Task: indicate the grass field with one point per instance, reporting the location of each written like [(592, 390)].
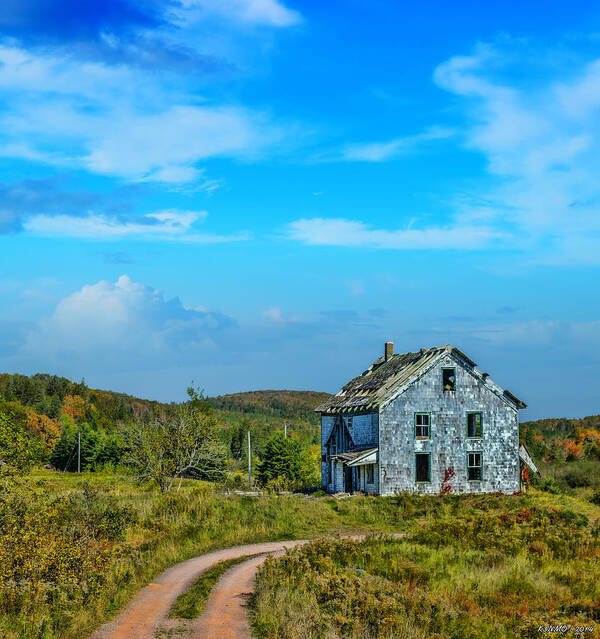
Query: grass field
[(469, 567), (74, 549)]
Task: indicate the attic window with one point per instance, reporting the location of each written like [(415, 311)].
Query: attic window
[(474, 467), (449, 379), (474, 425), (422, 421), (422, 467)]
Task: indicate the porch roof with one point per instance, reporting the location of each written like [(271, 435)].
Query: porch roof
[(358, 458)]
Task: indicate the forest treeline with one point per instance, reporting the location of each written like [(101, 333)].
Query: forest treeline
[(562, 439), (49, 414)]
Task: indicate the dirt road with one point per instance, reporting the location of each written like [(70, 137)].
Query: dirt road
[(225, 616), (226, 612)]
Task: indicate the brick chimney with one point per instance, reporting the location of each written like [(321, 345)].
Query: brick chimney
[(389, 350)]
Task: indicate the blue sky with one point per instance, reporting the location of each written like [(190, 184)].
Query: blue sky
[(257, 194)]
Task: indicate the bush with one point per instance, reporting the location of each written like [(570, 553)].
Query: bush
[(549, 485), (595, 497), (577, 478), (52, 544)]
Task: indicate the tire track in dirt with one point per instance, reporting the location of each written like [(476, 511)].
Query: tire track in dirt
[(226, 613), (146, 613)]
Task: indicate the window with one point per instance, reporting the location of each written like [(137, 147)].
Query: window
[(449, 379), (370, 473), (474, 425), (474, 467), (422, 467), (422, 425), (349, 422)]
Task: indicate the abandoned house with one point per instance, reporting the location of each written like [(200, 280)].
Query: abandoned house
[(421, 422)]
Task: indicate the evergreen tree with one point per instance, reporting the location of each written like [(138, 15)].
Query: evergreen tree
[(282, 458)]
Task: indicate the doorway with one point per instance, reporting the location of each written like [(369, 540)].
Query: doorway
[(347, 479)]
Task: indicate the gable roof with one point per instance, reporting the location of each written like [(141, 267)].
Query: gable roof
[(384, 380)]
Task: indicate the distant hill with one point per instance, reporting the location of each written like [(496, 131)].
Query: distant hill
[(46, 395), (559, 439), (264, 412), (285, 404), (562, 425), (57, 409)]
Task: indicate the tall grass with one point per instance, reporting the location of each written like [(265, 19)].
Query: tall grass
[(47, 519), (128, 534), (469, 567)]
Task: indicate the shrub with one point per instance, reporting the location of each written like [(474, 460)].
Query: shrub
[(595, 497), (549, 485), (577, 478)]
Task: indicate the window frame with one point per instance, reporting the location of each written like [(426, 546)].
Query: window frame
[(475, 412), (475, 452), (422, 437), (428, 480), (370, 472), (449, 368)]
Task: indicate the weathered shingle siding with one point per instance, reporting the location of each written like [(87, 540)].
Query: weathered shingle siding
[(327, 422), (364, 429), (448, 443)]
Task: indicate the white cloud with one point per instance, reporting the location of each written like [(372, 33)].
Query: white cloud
[(121, 326), (265, 12), (341, 232), (114, 121), (381, 151), (164, 225), (275, 315), (541, 141), (158, 144)]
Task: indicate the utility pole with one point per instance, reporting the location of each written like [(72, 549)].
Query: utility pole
[(249, 464), (79, 452), (285, 430)]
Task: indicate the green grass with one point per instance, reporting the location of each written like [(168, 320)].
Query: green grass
[(469, 567), (167, 529), (190, 604)]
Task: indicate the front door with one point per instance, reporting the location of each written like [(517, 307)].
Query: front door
[(347, 479)]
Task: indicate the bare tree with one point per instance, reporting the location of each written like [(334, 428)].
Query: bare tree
[(166, 447)]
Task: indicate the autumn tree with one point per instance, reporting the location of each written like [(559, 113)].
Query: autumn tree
[(74, 406), (47, 428), (20, 447)]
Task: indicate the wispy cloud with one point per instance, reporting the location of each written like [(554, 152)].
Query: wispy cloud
[(260, 12), (151, 34), (382, 151), (166, 225), (541, 142), (114, 120), (342, 232)]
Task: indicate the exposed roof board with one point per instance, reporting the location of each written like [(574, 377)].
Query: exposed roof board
[(358, 458), (385, 379), (526, 458)]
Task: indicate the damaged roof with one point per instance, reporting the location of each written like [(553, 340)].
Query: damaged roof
[(384, 379)]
